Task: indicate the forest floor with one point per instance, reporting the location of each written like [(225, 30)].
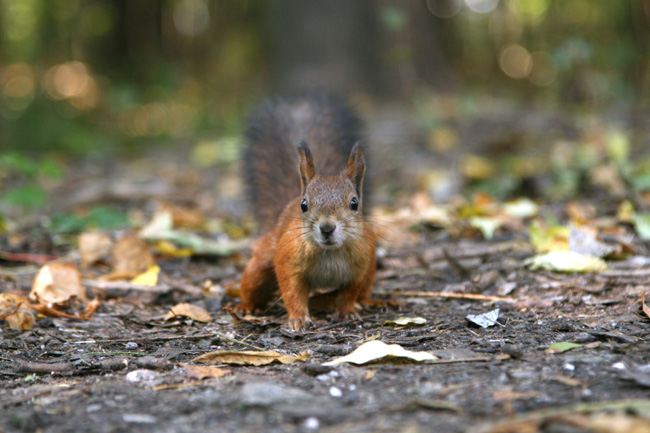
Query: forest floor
[(129, 368)]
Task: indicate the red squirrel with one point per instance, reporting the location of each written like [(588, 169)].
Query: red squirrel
[(318, 249)]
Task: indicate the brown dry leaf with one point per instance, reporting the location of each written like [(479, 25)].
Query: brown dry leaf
[(15, 310), (644, 307), (189, 310), (516, 427), (618, 422), (52, 311), (183, 216), (509, 395), (57, 284), (369, 374), (249, 357), (204, 371), (94, 247), (131, 256), (90, 309)]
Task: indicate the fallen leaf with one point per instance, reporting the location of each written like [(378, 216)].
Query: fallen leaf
[(486, 225), (510, 395), (249, 357), (548, 239), (584, 240), (618, 422), (369, 374), (644, 307), (166, 248), (148, 277), (625, 212), (562, 346), (15, 310), (52, 311), (189, 310), (376, 350), (183, 216), (566, 261), (484, 320), (132, 255), (404, 321), (94, 247), (204, 371), (642, 225), (57, 284), (522, 207)]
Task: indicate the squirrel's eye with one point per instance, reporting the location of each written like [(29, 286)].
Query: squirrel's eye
[(354, 203), (303, 205)]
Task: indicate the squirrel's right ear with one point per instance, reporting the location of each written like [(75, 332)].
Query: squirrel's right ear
[(306, 165)]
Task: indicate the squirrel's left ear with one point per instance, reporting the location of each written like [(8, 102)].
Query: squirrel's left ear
[(356, 167), (305, 166)]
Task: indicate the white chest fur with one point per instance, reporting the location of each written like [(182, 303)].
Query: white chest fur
[(331, 271)]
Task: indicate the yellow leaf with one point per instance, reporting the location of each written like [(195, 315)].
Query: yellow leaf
[(166, 248), (148, 277), (249, 357), (566, 261), (548, 239), (189, 310), (404, 321), (376, 350)]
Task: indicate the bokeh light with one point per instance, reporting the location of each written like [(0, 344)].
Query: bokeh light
[(191, 17), (17, 81), (482, 6), (515, 61), (72, 81), (444, 8)]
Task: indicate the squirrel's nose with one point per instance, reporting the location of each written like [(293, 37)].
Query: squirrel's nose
[(326, 229)]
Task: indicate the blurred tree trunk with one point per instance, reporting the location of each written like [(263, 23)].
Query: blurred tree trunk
[(387, 47), (322, 45)]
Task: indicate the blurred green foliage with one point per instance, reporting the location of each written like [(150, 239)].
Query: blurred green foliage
[(21, 179), (97, 218)]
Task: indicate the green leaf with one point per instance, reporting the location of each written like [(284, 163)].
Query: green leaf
[(562, 346), (104, 218), (18, 162), (642, 225), (50, 169), (566, 261), (28, 196)]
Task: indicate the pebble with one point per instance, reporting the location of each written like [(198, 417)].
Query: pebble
[(336, 392)]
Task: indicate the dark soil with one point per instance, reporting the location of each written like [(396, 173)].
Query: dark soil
[(122, 370)]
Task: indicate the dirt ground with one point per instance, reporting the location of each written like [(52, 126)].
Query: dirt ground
[(128, 369), (123, 370)]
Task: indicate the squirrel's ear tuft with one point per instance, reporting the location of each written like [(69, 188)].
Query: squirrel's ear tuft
[(305, 166), (356, 167)]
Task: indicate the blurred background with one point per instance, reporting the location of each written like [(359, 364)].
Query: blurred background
[(501, 91)]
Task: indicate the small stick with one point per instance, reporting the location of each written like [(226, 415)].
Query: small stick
[(456, 295)]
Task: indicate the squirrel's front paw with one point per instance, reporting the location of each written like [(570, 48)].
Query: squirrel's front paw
[(381, 304), (344, 317), (300, 323), (243, 308)]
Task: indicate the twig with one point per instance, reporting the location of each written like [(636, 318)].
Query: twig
[(456, 295), (232, 340), (462, 270), (579, 408)]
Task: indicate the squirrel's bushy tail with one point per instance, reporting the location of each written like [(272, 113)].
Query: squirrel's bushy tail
[(326, 123)]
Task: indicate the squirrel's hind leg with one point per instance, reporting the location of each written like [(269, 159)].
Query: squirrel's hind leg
[(258, 283)]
